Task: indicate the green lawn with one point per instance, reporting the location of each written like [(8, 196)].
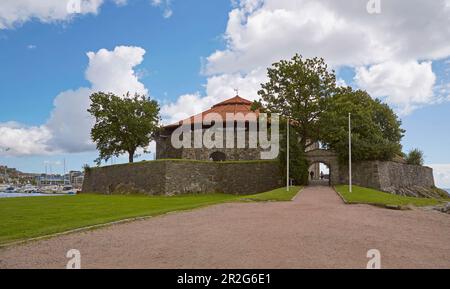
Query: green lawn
[(28, 217), (276, 195), (362, 195)]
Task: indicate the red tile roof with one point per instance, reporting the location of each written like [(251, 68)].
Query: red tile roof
[(233, 105)]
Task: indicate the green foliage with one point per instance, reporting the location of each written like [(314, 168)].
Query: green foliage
[(299, 89), (306, 92), (415, 157), (87, 169), (298, 166), (361, 195), (376, 131), (122, 125)]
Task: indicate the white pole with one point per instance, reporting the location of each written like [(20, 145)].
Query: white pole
[(287, 155), (349, 153)]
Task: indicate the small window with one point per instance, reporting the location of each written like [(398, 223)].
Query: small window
[(218, 157)]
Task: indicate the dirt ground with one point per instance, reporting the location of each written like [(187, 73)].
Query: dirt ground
[(316, 230)]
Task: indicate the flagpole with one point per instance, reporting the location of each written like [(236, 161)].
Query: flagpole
[(349, 153), (287, 155)]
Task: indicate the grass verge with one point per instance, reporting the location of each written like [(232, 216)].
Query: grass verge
[(31, 217), (275, 195), (360, 195)]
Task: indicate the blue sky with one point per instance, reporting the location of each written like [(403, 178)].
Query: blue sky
[(198, 53), (171, 67)]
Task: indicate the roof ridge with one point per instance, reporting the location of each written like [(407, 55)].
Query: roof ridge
[(234, 100), (232, 105)]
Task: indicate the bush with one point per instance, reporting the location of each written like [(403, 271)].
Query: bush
[(415, 157), (87, 169)]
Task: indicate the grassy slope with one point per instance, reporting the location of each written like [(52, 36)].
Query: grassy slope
[(28, 217), (371, 196), (276, 195)]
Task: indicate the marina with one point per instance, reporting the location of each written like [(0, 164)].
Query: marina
[(10, 191), (15, 195)]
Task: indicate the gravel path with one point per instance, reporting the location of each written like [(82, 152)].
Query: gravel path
[(316, 230)]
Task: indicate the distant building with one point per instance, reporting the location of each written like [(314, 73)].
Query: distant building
[(76, 178), (78, 181), (50, 180), (14, 176), (73, 175)]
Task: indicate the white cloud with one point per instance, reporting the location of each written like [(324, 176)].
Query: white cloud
[(16, 12), (70, 123), (165, 5), (218, 88), (19, 140), (341, 82), (13, 13), (121, 2), (185, 106), (441, 175), (404, 85), (68, 128), (408, 34), (112, 71), (261, 32)]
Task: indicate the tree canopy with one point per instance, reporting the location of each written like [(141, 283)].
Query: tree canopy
[(376, 131), (305, 90), (298, 166), (299, 89), (122, 124)]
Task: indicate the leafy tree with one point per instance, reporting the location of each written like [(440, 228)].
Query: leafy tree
[(122, 125), (376, 131), (305, 91), (299, 89), (298, 166), (415, 157)]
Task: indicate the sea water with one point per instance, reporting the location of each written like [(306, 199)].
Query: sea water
[(15, 195)]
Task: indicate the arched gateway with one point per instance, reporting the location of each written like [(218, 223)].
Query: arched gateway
[(327, 157)]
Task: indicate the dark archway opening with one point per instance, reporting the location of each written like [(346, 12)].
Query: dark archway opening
[(319, 174), (218, 157)]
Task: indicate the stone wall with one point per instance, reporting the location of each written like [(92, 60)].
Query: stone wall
[(249, 177), (393, 177), (138, 178), (327, 157), (171, 177), (165, 150)]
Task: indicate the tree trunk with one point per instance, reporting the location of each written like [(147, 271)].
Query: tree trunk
[(131, 156)]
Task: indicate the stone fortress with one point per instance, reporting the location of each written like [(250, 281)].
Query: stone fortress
[(237, 106), (234, 106), (239, 169)]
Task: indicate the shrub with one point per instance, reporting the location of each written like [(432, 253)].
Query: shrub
[(87, 169), (415, 157)]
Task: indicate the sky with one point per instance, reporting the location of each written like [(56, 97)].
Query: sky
[(191, 54)]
